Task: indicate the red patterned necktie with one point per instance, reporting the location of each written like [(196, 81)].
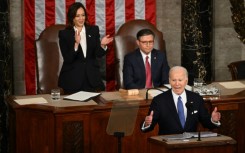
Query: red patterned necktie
[(148, 83)]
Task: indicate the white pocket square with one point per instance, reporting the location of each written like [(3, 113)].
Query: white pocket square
[(194, 112)]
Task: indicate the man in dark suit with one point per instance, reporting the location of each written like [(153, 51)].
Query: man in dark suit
[(179, 110), (134, 68), (80, 46)]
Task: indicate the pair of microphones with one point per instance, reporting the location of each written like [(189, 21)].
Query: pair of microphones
[(146, 94)]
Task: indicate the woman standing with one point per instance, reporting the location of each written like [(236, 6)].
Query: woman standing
[(80, 46)]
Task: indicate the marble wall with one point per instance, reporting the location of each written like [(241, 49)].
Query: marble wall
[(227, 47), (5, 72), (169, 22), (16, 26)]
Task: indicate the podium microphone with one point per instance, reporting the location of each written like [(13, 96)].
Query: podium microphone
[(146, 94), (199, 136)]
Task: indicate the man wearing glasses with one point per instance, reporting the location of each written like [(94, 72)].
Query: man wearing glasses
[(145, 67)]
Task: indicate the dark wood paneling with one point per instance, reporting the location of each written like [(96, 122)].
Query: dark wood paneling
[(221, 144), (34, 131), (49, 129)]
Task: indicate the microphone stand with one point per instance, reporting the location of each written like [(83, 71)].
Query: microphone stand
[(199, 136), (119, 136)]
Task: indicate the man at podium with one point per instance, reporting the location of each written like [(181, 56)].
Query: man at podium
[(178, 110)]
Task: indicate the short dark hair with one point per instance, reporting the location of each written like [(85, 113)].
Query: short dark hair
[(72, 11), (145, 32)]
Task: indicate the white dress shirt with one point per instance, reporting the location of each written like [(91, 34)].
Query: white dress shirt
[(83, 40), (184, 100), (144, 56)]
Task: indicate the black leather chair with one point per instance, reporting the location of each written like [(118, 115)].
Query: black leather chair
[(125, 42), (48, 59), (237, 70)]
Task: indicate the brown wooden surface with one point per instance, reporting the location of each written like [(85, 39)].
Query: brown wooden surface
[(77, 129), (66, 127), (220, 144)]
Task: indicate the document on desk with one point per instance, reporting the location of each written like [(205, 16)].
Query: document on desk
[(81, 96), (188, 135), (111, 96), (27, 101), (232, 84)]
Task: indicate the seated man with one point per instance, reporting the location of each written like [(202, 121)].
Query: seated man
[(178, 110), (146, 67)]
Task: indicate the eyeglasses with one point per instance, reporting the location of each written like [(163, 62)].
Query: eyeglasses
[(147, 42)]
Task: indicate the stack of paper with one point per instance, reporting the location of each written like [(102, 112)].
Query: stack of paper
[(82, 96), (188, 135), (232, 84), (27, 101)]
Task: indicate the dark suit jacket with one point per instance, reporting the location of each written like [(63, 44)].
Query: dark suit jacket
[(79, 73), (166, 116), (134, 69)]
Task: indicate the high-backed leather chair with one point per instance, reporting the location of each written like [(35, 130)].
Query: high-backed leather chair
[(48, 59), (125, 42), (237, 70)]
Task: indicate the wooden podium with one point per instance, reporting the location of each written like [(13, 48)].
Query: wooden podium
[(219, 144)]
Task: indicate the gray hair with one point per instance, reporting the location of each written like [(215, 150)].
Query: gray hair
[(178, 68)]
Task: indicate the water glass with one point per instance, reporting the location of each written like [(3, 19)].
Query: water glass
[(55, 94), (198, 82)]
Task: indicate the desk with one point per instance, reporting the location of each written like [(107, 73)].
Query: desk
[(232, 108), (67, 127), (220, 144)]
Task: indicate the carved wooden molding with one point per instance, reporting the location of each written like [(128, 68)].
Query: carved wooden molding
[(73, 137), (238, 18)]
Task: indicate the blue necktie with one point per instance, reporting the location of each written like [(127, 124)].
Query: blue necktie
[(181, 112)]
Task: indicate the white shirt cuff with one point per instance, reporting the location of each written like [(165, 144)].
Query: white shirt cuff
[(105, 48), (216, 123), (143, 126)]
